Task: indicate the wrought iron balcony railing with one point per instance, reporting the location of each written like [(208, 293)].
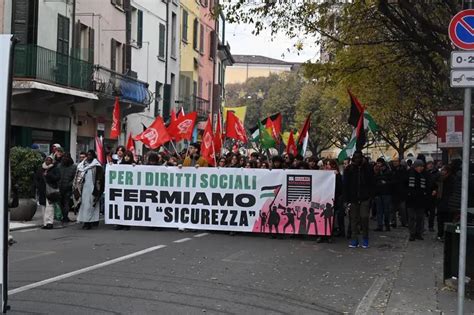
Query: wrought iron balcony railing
[(45, 65), (197, 104), (110, 83)]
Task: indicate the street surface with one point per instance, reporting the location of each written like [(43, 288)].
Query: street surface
[(199, 272)]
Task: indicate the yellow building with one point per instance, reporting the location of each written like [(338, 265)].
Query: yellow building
[(252, 66), (189, 53)]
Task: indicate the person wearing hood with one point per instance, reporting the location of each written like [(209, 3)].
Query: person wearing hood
[(418, 193), (88, 187), (47, 190)]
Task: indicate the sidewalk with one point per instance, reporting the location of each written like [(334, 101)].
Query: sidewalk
[(418, 287), (36, 221)]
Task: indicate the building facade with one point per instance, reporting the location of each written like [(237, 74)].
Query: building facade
[(252, 66), (74, 58)]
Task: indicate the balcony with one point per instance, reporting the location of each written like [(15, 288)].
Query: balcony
[(197, 104), (109, 84), (48, 66)]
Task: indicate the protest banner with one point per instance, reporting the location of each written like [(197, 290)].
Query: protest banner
[(223, 199)]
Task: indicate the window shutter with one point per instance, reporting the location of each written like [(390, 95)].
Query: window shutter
[(113, 55), (201, 39), (212, 44), (140, 28), (161, 48), (195, 34), (185, 25), (91, 45)]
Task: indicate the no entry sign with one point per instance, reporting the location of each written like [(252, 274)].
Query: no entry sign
[(461, 30)]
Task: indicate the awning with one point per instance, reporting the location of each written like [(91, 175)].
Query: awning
[(23, 85)]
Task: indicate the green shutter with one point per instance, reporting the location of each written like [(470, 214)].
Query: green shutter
[(161, 48), (185, 25), (139, 28)]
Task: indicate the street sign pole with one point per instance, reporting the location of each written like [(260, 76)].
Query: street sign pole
[(460, 33), (464, 196)]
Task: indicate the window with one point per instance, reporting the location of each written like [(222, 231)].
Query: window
[(172, 87), (173, 35), (137, 27), (162, 40), (201, 39), (116, 56), (184, 34), (158, 94), (212, 44), (195, 34), (200, 87), (86, 42)]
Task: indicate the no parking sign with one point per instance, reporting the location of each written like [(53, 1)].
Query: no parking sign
[(461, 30)]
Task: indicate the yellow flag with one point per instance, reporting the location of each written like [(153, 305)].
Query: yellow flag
[(238, 111)]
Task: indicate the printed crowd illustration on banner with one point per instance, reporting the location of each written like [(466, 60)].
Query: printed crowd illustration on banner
[(224, 199)]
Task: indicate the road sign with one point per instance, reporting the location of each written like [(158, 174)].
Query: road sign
[(462, 59), (463, 78), (450, 125), (461, 29)]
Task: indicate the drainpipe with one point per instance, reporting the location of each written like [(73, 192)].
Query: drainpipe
[(73, 34), (167, 41)]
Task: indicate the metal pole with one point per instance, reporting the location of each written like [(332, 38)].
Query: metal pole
[(464, 196)]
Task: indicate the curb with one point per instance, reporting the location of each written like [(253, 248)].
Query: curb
[(29, 226)]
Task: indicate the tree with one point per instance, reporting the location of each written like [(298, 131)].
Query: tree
[(251, 94), (311, 100), (282, 97)]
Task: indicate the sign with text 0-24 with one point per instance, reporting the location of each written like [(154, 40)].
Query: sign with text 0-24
[(224, 199)]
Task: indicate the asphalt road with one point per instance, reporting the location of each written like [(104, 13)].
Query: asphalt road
[(175, 272)]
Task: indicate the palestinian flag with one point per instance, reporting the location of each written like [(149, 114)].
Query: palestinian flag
[(276, 120), (355, 143), (356, 110), (302, 142)]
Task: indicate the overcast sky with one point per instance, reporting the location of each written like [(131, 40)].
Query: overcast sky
[(242, 42)]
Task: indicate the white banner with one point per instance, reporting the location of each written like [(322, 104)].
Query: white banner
[(225, 199)]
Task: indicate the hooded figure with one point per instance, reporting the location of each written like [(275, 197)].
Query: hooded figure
[(88, 187)]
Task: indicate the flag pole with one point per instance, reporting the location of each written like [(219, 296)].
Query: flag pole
[(174, 147)]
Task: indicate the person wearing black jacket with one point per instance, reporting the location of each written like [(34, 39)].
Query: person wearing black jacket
[(67, 170), (418, 193), (446, 184), (434, 175), (358, 187), (46, 182), (383, 180), (399, 178)]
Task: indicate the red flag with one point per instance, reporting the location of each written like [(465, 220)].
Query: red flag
[(207, 145), (303, 137), (291, 146), (218, 135), (131, 144), (115, 130), (99, 149), (183, 127), (234, 128), (155, 135)]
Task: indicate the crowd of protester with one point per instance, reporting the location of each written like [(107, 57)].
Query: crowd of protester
[(399, 193)]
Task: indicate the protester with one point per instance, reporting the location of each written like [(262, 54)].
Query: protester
[(399, 178), (339, 212), (120, 153), (194, 159), (47, 190), (88, 188), (54, 148), (234, 161), (446, 183), (418, 194), (383, 196), (67, 170), (358, 189), (82, 156), (430, 209)]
